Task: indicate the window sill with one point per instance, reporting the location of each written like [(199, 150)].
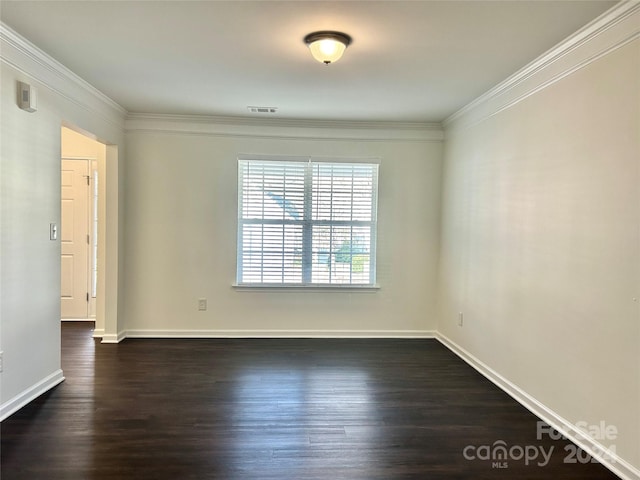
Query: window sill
[(323, 287)]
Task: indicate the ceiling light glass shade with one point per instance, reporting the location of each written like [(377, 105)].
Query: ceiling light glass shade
[(327, 47)]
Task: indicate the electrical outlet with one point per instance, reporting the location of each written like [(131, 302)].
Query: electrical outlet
[(202, 304), (460, 319)]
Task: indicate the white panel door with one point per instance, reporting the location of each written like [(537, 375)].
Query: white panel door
[(74, 235)]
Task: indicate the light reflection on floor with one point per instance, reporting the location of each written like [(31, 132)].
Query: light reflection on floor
[(298, 416)]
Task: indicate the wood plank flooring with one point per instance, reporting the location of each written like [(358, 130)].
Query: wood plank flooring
[(271, 409)]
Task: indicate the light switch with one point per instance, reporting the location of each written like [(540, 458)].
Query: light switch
[(53, 231)]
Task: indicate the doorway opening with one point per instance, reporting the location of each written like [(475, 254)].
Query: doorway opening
[(81, 230)]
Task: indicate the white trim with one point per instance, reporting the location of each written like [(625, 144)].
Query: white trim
[(30, 394), (89, 159), (613, 29), (304, 159), (280, 334), (272, 158), (282, 128), (17, 52), (616, 464), (98, 332), (306, 287), (113, 338)]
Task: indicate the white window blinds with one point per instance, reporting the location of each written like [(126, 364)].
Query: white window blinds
[(306, 222)]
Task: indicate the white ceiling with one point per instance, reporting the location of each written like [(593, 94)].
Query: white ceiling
[(414, 61)]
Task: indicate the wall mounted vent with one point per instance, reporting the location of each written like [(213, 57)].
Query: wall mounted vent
[(262, 109)]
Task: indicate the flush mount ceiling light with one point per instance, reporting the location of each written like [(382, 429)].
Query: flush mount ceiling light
[(327, 46)]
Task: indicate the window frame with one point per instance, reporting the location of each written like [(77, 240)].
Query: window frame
[(308, 224)]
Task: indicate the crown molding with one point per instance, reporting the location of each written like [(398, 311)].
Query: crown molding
[(613, 29), (17, 52), (283, 128)]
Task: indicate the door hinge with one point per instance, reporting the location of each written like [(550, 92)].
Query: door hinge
[(88, 240), (88, 177), (87, 296)]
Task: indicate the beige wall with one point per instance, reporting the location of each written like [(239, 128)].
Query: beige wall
[(541, 243), (77, 145), (181, 240)]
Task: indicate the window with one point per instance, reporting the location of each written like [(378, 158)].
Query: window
[(306, 222)]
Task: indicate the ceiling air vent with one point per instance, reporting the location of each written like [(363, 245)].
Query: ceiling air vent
[(262, 109)]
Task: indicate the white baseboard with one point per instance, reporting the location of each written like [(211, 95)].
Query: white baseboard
[(98, 332), (113, 338), (31, 393), (594, 448), (279, 334)]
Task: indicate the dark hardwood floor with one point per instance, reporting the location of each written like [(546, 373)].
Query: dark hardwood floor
[(273, 409)]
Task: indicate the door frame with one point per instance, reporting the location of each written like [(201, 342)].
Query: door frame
[(109, 297)]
